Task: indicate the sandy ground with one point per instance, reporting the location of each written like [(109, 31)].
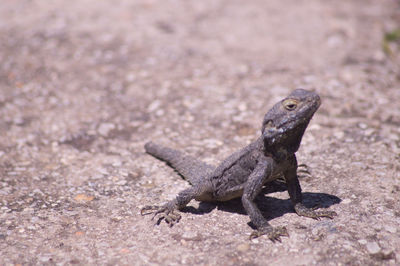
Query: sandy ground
[(84, 84)]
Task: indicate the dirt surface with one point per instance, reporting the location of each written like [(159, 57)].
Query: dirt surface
[(84, 84)]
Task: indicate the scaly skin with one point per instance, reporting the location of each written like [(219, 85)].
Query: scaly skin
[(245, 173)]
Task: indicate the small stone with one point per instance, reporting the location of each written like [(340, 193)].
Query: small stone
[(18, 121), (346, 201), (160, 112), (189, 234), (377, 227), (83, 198), (117, 218), (79, 233), (44, 258), (369, 131), (309, 79), (31, 227), (379, 55), (362, 241), (212, 143), (124, 172), (105, 128), (117, 163), (154, 106), (362, 125), (339, 134), (124, 251), (122, 182), (373, 248), (243, 247), (103, 171), (255, 240), (242, 107), (390, 229)]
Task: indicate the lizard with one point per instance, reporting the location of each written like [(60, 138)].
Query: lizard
[(246, 172)]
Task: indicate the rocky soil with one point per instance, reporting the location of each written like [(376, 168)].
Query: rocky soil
[(84, 84)]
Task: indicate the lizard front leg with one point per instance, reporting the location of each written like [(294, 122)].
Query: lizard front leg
[(294, 190), (167, 211), (253, 186)]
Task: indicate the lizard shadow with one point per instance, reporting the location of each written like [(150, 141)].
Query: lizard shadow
[(270, 206)]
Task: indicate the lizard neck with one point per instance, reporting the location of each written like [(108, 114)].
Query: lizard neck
[(286, 143)]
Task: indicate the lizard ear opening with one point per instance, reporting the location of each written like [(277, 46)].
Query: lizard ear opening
[(266, 124)]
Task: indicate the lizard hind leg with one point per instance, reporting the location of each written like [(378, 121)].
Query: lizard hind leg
[(167, 212)]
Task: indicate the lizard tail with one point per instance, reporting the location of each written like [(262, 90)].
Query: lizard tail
[(189, 167)]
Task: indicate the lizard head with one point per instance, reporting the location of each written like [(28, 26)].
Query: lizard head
[(285, 123)]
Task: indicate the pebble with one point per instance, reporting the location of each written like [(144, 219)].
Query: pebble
[(105, 128), (362, 241), (212, 143), (390, 229), (368, 132), (255, 240), (117, 163), (159, 112), (362, 125), (373, 248), (44, 258), (154, 106), (103, 171), (117, 218), (31, 227), (122, 182), (242, 107), (377, 227), (346, 201), (339, 134), (243, 247), (189, 234), (123, 172)]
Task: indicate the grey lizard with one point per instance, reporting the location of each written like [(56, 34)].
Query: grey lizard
[(245, 172)]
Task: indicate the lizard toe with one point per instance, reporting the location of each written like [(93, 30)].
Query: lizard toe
[(273, 233), (325, 213), (161, 213), (149, 209), (303, 171), (312, 213)]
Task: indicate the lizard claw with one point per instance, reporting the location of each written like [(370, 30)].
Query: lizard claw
[(303, 171), (163, 212), (146, 210), (273, 233)]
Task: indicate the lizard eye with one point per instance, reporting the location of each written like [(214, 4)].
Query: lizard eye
[(290, 104)]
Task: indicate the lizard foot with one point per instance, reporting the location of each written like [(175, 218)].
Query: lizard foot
[(273, 233), (312, 213), (303, 171), (163, 212)]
